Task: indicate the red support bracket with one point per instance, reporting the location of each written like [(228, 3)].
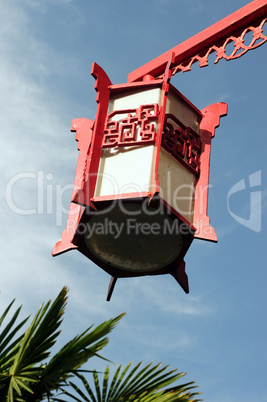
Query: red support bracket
[(233, 28)]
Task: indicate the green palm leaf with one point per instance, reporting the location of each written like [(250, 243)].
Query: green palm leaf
[(9, 345), (73, 355), (35, 346), (24, 374), (7, 349), (27, 376), (136, 385)]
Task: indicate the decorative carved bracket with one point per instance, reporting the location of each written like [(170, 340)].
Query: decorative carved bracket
[(230, 30), (211, 120), (240, 48)]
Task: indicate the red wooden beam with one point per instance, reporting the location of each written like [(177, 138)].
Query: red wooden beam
[(210, 40)]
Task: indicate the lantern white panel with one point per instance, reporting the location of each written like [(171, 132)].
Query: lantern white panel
[(177, 185), (183, 110), (134, 99), (124, 170), (127, 169)]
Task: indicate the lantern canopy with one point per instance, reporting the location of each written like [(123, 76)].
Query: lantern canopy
[(141, 186)]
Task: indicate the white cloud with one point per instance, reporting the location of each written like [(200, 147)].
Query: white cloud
[(30, 125)]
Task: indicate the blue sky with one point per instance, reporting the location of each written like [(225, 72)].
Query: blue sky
[(217, 333)]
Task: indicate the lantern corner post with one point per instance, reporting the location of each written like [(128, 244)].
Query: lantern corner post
[(211, 120), (102, 83), (162, 107)]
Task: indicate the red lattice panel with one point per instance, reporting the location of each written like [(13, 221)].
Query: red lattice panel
[(182, 142), (138, 128)]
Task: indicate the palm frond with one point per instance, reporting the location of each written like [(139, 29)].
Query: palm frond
[(75, 353), (23, 374), (21, 357), (138, 385), (41, 334), (7, 348)]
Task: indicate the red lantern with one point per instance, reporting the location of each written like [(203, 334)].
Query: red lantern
[(141, 183)]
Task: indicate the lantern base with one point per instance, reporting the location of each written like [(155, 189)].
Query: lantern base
[(134, 238), (129, 238)]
